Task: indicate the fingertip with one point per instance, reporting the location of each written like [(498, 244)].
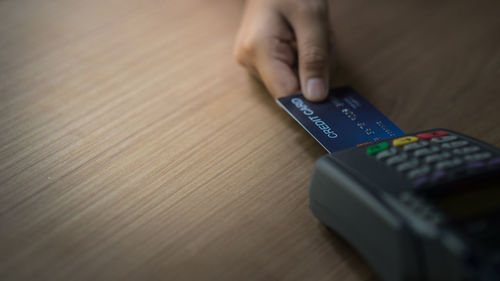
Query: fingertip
[(316, 89)]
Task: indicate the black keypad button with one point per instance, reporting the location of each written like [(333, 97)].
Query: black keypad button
[(444, 139), (439, 175), (397, 159), (420, 181), (478, 156), (454, 144), (437, 157), (386, 153), (476, 165), (415, 145), (466, 150), (448, 164), (494, 162), (412, 164), (425, 151), (421, 171)]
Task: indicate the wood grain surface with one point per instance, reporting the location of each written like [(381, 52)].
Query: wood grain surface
[(132, 147)]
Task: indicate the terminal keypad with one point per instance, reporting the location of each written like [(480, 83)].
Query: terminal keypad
[(433, 157)]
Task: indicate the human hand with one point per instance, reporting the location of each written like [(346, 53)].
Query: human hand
[(285, 43)]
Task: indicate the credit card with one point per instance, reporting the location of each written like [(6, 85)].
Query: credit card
[(343, 120)]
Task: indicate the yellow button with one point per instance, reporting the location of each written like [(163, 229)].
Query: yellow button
[(404, 140)]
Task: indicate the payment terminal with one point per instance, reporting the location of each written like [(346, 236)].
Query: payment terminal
[(423, 206)]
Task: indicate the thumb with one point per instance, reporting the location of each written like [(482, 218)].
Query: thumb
[(311, 30)]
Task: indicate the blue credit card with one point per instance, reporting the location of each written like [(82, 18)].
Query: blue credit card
[(343, 120)]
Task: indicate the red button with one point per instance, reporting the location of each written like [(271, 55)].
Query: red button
[(431, 135)]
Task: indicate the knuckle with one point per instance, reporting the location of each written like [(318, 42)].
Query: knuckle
[(239, 57), (282, 52), (244, 51), (313, 58)]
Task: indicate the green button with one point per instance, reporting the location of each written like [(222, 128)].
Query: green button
[(374, 149)]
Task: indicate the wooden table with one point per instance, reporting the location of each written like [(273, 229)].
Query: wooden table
[(133, 147)]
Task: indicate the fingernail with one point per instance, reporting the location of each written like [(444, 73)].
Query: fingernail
[(316, 89)]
